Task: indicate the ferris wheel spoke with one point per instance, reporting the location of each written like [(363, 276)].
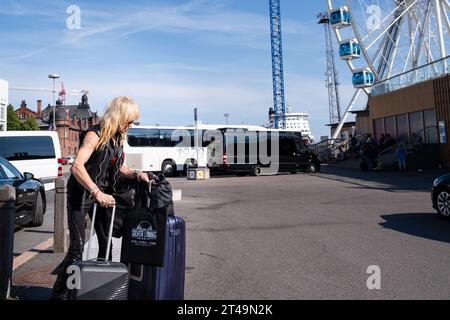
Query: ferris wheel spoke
[(446, 3), (381, 23), (393, 23), (413, 31), (363, 50), (446, 19), (437, 7), (389, 50), (422, 30)]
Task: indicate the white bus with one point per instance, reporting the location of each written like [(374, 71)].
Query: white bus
[(170, 150), (37, 152)]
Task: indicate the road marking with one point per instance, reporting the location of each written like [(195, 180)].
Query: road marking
[(27, 255)]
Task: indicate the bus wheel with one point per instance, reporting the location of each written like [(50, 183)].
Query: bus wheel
[(256, 171), (168, 168)]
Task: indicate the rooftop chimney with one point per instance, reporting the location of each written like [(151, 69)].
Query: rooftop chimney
[(23, 106), (39, 108)]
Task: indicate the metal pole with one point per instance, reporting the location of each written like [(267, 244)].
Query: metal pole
[(60, 217), (344, 117), (196, 133), (7, 217), (54, 106)]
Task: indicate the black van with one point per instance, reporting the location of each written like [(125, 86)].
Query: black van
[(249, 152)]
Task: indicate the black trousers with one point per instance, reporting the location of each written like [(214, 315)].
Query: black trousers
[(77, 209)]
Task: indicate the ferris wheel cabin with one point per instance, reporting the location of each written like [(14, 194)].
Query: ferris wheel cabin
[(349, 49), (363, 78), (340, 18)]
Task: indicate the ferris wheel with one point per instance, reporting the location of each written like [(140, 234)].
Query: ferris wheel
[(379, 39)]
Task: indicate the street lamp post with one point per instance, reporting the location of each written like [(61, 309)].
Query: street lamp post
[(226, 115), (54, 76)]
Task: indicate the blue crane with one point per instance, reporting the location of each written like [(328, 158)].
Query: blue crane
[(279, 103)]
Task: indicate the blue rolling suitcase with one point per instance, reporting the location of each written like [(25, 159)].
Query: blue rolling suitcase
[(167, 282), (101, 280)]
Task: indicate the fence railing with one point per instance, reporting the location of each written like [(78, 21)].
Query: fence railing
[(328, 149), (423, 73)]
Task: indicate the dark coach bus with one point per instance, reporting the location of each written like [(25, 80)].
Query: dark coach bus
[(246, 151)]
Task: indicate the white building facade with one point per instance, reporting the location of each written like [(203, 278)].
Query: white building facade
[(3, 104), (295, 121)]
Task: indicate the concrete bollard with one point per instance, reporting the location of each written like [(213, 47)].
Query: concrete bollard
[(7, 218), (198, 173), (60, 217)]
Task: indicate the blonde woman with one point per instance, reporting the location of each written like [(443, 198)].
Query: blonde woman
[(94, 177)]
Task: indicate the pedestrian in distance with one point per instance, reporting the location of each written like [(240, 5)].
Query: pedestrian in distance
[(353, 146), (94, 177), (401, 154)]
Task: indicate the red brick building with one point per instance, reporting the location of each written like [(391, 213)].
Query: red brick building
[(70, 121)]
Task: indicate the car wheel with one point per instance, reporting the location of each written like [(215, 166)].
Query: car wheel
[(443, 204), (293, 172), (168, 168), (256, 171), (312, 168), (38, 216)]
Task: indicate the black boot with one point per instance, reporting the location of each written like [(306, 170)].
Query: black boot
[(60, 290)]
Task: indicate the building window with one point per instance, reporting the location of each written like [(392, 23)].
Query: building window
[(431, 130), (416, 124), (402, 126), (379, 127), (390, 127)]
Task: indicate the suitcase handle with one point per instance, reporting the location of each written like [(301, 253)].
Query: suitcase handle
[(108, 247)]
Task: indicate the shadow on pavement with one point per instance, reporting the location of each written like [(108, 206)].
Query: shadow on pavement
[(384, 180), (38, 231), (31, 293), (423, 225)]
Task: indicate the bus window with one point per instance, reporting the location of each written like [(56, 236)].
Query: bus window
[(165, 138), (143, 137)]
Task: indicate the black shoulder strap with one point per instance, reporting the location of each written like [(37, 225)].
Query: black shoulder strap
[(83, 134)]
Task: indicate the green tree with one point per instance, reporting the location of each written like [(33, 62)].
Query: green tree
[(30, 125), (13, 122)]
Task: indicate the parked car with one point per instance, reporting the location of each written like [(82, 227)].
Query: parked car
[(33, 151), (30, 194), (440, 195)]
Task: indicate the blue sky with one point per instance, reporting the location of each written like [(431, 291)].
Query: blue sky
[(171, 56)]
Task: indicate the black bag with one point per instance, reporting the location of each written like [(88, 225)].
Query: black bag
[(144, 228), (161, 193), (143, 240), (132, 194)]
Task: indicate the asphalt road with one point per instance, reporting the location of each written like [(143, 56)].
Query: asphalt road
[(307, 236), (314, 237)]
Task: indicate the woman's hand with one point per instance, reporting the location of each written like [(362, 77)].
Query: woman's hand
[(142, 176), (105, 200)]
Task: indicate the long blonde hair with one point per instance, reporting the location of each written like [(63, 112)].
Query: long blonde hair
[(119, 113)]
